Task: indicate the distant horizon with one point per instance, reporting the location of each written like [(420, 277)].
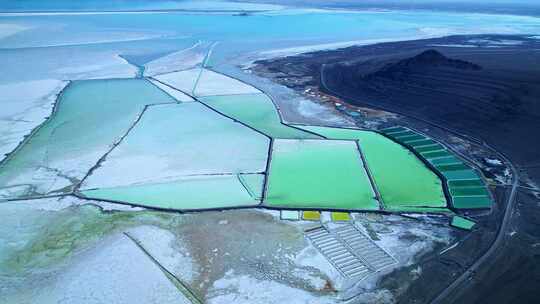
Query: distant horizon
[(519, 7), (12, 4)]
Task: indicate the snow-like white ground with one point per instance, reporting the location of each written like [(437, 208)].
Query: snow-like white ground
[(7, 29), (25, 105), (181, 60), (212, 83), (98, 66), (227, 5), (165, 247), (290, 51), (103, 266), (116, 271), (174, 93), (292, 107), (57, 251), (64, 63), (80, 133), (171, 141), (183, 80), (44, 34), (243, 289), (206, 83), (312, 110), (50, 204), (311, 257)]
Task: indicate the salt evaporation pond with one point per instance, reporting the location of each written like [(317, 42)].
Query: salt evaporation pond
[(318, 174), (90, 117), (188, 193), (158, 161), (257, 111), (403, 181), (172, 46), (177, 140)]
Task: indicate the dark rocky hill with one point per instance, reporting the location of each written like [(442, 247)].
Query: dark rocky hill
[(486, 91), (424, 61)]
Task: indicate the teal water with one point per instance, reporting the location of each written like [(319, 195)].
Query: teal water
[(75, 46), (123, 5), (245, 35), (318, 174), (177, 140), (189, 193), (402, 180), (90, 117), (258, 112)]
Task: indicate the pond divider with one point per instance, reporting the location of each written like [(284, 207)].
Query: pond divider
[(37, 128), (182, 287)]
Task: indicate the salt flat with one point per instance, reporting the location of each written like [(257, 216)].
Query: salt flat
[(184, 59), (178, 95), (25, 105), (91, 116), (183, 80)]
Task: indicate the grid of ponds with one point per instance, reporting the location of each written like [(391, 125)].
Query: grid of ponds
[(228, 148), (176, 140), (187, 193), (402, 180), (184, 143), (90, 117), (349, 250), (466, 188)]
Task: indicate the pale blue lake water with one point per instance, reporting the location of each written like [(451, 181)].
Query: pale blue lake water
[(51, 37)]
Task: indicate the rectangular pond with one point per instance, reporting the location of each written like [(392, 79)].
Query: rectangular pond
[(402, 180), (175, 140), (318, 174), (188, 193), (90, 116), (258, 112)]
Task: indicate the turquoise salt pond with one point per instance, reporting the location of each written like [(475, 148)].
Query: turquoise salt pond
[(188, 193), (165, 111), (94, 116), (90, 117), (257, 111), (318, 174), (177, 140)]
